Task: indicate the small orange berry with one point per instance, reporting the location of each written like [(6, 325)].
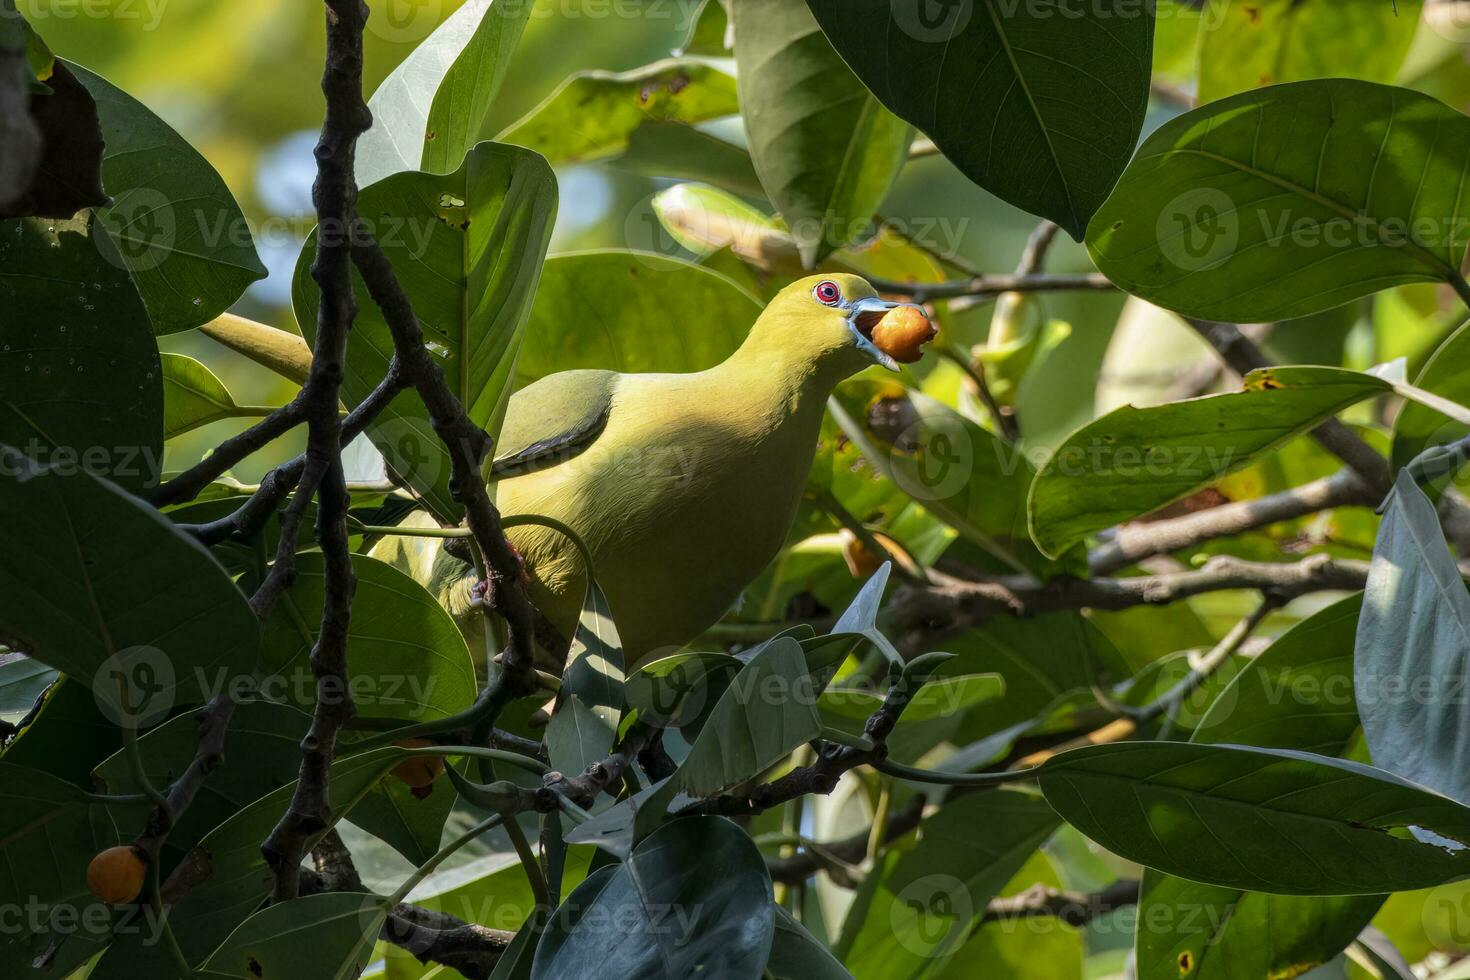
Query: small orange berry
[(116, 875), (903, 332), (420, 771)]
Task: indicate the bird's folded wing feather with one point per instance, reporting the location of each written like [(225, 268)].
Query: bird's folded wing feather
[(552, 420)]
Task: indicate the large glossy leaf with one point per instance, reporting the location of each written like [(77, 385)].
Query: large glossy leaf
[(930, 898), (619, 923), (795, 953), (405, 657), (467, 248), (825, 149), (444, 88), (68, 736), (176, 225), (1215, 933), (1245, 44), (1289, 200), (1296, 695), (1413, 638), (48, 833), (1134, 460), (577, 737), (193, 396), (960, 472), (768, 710), (1041, 107), (1446, 374), (82, 378), (632, 311), (1269, 820), (328, 936), (100, 586), (593, 115)]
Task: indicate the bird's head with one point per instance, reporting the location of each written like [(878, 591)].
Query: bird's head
[(832, 318)]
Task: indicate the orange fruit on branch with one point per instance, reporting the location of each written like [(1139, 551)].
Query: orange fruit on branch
[(117, 874)]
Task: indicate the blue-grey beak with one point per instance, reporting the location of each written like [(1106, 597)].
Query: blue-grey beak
[(862, 316)]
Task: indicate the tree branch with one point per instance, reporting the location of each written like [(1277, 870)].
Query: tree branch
[(1073, 908), (1132, 543), (335, 197), (994, 285)]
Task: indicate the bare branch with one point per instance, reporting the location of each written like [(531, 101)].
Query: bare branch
[(994, 285), (1132, 543)]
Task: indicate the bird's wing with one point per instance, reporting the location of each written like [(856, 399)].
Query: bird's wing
[(553, 419)]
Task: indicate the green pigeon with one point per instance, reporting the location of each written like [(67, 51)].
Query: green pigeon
[(683, 487)]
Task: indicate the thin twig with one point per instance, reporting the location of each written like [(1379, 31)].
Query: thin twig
[(994, 285)]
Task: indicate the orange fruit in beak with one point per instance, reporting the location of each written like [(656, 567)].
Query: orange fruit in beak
[(903, 332), (116, 875)]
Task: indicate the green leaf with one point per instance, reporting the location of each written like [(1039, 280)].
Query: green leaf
[(444, 87), (176, 225), (230, 876), (1135, 460), (1447, 374), (69, 736), (1269, 820), (193, 397), (48, 834), (795, 953), (958, 471), (847, 709), (1290, 200), (411, 826), (577, 737), (1296, 695), (1411, 648), (929, 899), (406, 658), (328, 936), (262, 753), (634, 312), (1205, 932), (595, 671), (593, 114), (1245, 44), (768, 710), (22, 680), (676, 690), (81, 369), (467, 248), (102, 587), (709, 32), (618, 922), (1041, 110), (673, 151), (825, 149)]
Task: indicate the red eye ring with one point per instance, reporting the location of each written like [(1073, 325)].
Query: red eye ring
[(827, 292)]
